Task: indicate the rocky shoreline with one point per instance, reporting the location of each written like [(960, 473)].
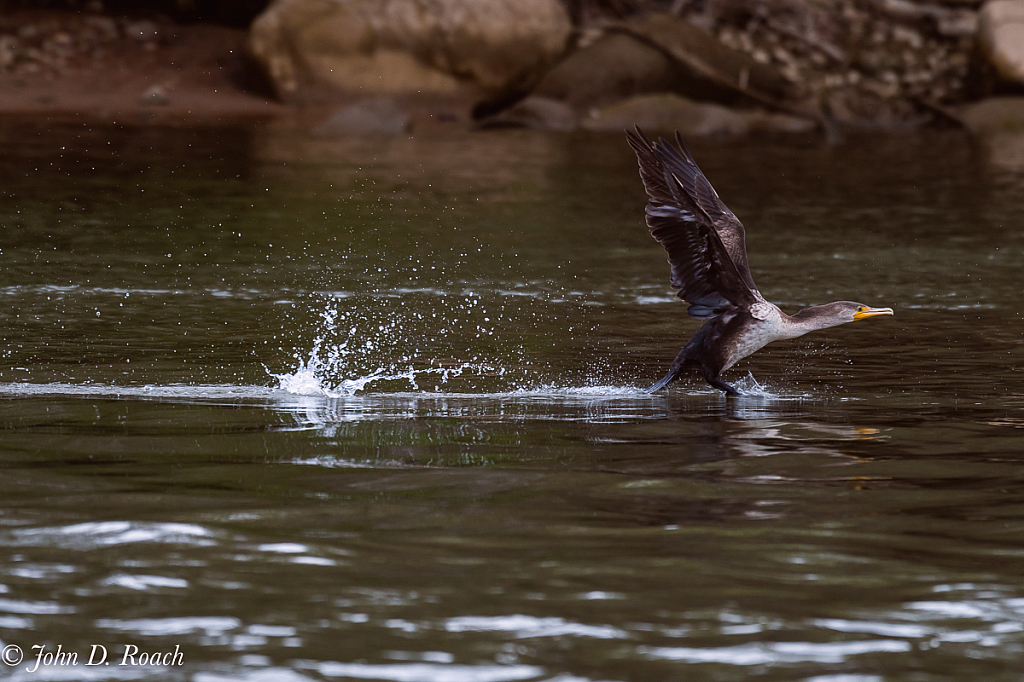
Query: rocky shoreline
[(99, 67), (705, 67)]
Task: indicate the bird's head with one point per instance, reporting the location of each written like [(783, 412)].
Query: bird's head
[(859, 311), (848, 311), (837, 313)]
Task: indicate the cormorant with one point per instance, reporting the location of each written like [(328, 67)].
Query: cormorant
[(708, 256)]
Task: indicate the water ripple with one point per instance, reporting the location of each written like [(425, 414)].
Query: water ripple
[(211, 626), (427, 672), (777, 652), (522, 626), (107, 533)]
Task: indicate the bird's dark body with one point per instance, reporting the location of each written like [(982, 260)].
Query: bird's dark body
[(707, 255), (707, 352)]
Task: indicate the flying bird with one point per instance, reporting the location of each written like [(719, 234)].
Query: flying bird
[(708, 258)]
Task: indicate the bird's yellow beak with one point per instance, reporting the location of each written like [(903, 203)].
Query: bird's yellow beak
[(865, 312)]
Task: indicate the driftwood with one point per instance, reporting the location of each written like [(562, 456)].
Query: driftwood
[(736, 73)]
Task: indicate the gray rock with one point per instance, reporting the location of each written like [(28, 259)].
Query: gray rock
[(1001, 38), (668, 112), (380, 115), (390, 47)]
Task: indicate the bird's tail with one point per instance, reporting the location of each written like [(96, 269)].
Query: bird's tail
[(662, 382), (679, 366)]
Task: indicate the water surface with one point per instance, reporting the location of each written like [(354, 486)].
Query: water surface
[(322, 408)]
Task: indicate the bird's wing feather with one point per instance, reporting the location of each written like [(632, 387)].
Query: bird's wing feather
[(704, 240), (681, 164)]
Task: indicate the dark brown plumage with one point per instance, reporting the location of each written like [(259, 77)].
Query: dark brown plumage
[(708, 257)]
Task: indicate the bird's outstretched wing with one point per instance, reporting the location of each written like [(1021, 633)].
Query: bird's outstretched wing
[(704, 240)]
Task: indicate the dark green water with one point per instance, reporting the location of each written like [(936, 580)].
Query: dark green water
[(327, 409)]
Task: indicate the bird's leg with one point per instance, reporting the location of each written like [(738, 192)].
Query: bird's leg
[(722, 386)]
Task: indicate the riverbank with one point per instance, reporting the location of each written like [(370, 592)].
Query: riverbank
[(65, 65), (836, 65)]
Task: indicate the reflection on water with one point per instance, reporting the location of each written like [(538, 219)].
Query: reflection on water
[(1005, 152), (372, 409)]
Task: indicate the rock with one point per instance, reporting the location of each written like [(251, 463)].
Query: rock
[(105, 28), (962, 24), (993, 115), (380, 115), (8, 51), (670, 112), (869, 108), (1001, 38), (534, 113), (1005, 151), (612, 68), (950, 22), (62, 40), (156, 94), (392, 47), (143, 31)]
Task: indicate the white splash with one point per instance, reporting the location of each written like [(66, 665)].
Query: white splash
[(347, 343), (309, 378)]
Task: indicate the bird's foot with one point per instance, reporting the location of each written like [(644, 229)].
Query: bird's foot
[(722, 386)]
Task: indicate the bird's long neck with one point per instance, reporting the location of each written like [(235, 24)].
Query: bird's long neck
[(813, 318)]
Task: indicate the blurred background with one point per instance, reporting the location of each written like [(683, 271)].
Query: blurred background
[(700, 66)]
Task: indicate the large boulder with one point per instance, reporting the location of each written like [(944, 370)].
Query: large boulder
[(408, 47), (1001, 39)]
